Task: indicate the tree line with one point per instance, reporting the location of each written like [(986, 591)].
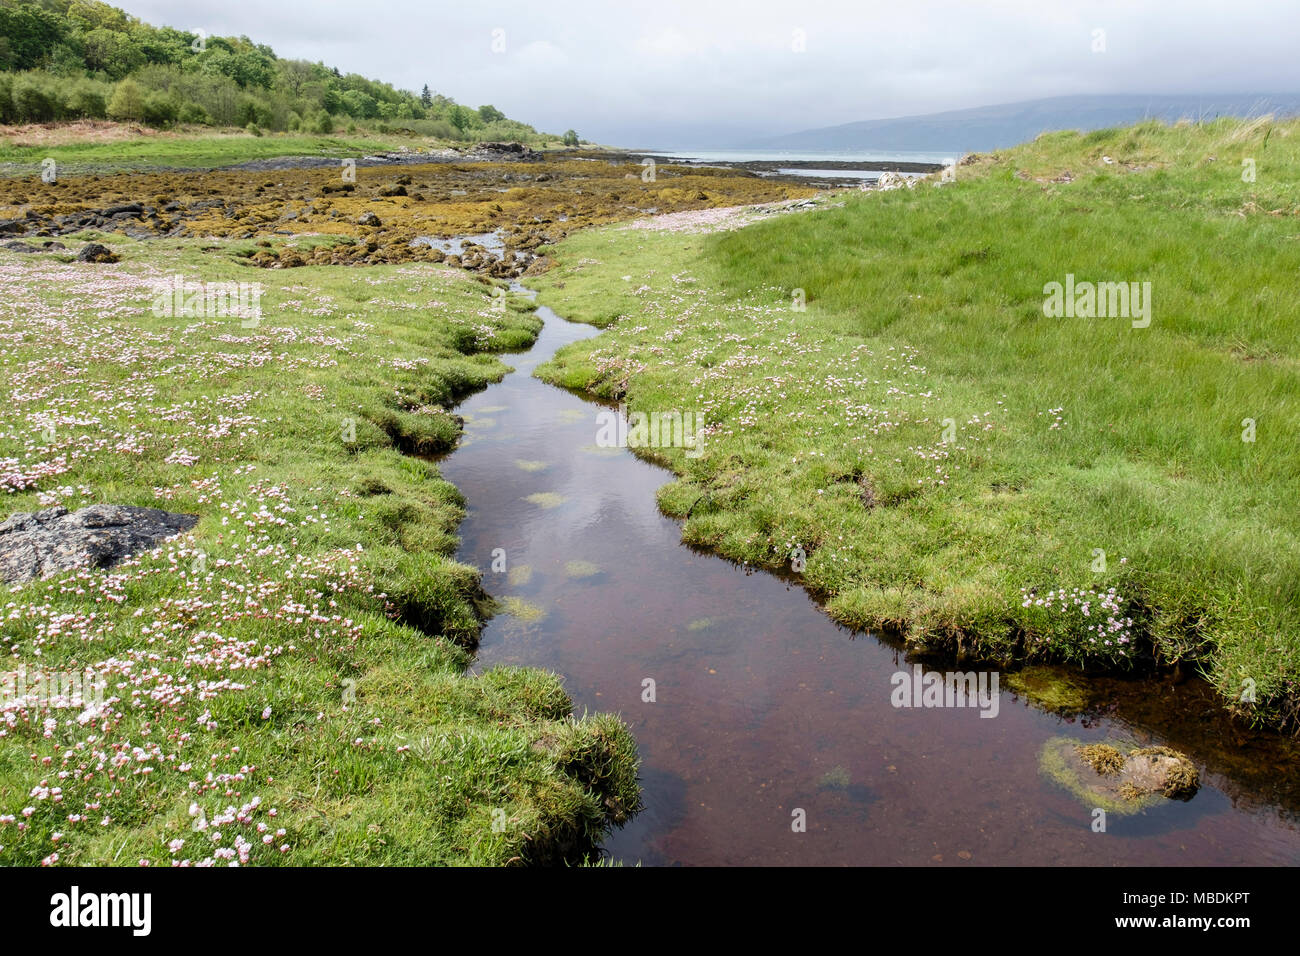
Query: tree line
[(83, 59)]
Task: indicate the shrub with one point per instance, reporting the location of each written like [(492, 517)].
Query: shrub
[(246, 114), (86, 101), (127, 101), (253, 129), (194, 114), (32, 104), (160, 110)]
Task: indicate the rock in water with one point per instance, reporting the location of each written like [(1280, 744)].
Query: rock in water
[(35, 545), (1118, 779), (1160, 770)]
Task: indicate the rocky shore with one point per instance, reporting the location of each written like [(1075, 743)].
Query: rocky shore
[(383, 208)]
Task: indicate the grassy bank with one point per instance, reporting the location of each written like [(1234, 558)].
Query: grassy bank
[(954, 462), (124, 147), (286, 682)]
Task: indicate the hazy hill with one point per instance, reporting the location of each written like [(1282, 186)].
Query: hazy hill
[(1006, 124)]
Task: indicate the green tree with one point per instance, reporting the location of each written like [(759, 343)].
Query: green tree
[(111, 53), (426, 98), (570, 138), (461, 118), (360, 105), (127, 101), (490, 114), (30, 33)]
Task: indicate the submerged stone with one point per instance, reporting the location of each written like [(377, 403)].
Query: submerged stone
[(1118, 779)]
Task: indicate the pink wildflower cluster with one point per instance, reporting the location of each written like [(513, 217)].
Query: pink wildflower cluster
[(1081, 622)]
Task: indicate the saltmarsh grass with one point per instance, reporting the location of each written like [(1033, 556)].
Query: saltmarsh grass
[(1082, 454), (286, 683), (189, 150)]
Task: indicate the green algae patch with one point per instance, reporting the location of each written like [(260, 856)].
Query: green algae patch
[(837, 778), (519, 575), (700, 624), (522, 610), (1051, 688), (545, 499), (531, 465), (581, 569)]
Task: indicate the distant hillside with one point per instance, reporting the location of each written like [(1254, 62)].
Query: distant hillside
[(81, 59), (997, 127)]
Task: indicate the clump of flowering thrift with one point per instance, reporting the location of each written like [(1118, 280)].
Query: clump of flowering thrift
[(1079, 624)]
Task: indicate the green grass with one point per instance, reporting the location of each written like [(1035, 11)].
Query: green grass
[(303, 650), (195, 150), (1068, 437)]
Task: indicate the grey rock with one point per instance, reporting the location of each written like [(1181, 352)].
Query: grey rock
[(38, 544), (1160, 770), (125, 209)]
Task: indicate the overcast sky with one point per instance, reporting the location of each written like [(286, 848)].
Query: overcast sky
[(713, 72)]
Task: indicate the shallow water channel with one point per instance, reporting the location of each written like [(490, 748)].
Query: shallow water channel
[(764, 707)]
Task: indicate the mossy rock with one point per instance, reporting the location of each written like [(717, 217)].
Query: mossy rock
[(1117, 778), (1161, 770)]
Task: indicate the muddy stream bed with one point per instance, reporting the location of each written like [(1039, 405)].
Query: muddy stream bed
[(764, 707)]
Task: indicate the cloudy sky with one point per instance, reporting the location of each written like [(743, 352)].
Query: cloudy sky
[(715, 72)]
